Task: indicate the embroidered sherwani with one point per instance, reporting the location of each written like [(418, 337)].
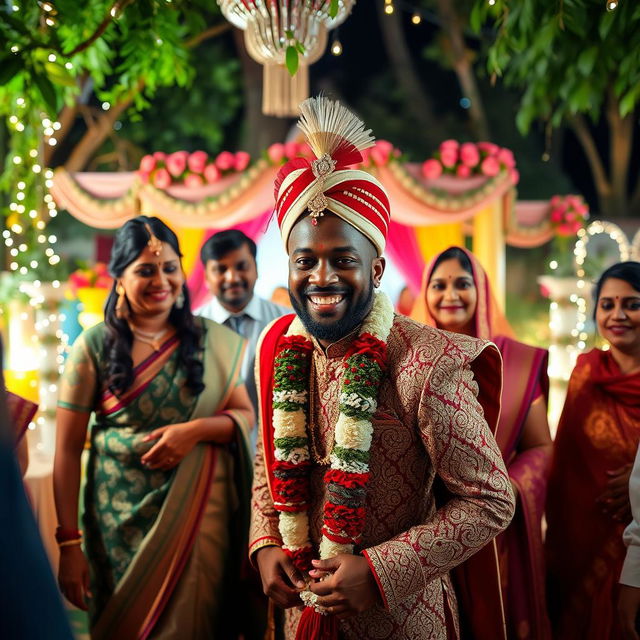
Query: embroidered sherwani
[(429, 423)]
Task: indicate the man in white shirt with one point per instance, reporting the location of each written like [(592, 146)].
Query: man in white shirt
[(229, 261), (629, 598)]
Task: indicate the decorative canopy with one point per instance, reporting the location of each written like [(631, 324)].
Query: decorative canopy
[(277, 29)]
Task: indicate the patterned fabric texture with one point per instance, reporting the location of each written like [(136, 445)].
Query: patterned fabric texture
[(429, 422)]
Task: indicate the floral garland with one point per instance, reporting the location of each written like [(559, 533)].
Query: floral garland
[(346, 479)]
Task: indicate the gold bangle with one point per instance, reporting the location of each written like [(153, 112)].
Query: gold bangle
[(70, 543)]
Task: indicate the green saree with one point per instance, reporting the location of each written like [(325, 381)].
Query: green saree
[(158, 541)]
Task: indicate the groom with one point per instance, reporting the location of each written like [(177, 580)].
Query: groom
[(361, 412)]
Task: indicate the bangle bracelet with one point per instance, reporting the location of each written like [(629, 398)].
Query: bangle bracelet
[(70, 543), (62, 535)]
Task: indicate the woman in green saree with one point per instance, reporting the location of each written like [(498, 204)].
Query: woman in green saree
[(168, 463)]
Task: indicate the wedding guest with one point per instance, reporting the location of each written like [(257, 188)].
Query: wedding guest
[(588, 500), (161, 515), (456, 295), (231, 272)]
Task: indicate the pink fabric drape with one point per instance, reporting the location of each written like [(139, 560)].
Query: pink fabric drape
[(404, 250), (253, 228)]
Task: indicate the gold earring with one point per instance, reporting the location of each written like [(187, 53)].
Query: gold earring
[(122, 308)]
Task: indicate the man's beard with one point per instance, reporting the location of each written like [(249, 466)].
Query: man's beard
[(353, 317)]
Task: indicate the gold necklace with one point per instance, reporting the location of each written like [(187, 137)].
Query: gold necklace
[(152, 339)]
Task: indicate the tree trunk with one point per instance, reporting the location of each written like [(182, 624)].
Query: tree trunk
[(417, 100), (620, 145), (95, 136), (601, 181), (463, 68), (259, 131)]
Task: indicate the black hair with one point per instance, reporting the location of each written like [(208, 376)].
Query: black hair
[(627, 271), (130, 241), (223, 242), (454, 253)]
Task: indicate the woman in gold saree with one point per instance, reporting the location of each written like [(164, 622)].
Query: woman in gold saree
[(167, 458)]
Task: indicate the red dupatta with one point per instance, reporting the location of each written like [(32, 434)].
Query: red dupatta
[(525, 379), (599, 431)]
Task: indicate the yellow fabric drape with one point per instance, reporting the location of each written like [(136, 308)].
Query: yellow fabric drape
[(489, 247), (436, 238)]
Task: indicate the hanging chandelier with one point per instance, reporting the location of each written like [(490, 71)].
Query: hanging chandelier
[(275, 29)]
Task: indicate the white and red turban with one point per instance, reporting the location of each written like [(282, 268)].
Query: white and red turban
[(328, 183)]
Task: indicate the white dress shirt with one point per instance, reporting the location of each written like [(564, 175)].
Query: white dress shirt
[(253, 318), (631, 568)]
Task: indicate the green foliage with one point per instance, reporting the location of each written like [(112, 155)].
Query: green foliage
[(53, 49), (565, 55)]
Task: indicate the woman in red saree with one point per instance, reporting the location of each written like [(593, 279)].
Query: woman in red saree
[(167, 456), (588, 502), (456, 296)]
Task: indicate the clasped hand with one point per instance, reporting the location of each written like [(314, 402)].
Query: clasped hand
[(174, 442), (345, 585), (615, 499)]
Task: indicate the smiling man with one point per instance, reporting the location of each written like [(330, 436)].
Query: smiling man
[(231, 272), (361, 411)]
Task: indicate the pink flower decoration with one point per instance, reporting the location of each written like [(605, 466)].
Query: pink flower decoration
[(305, 151), (242, 160), (431, 169), (193, 181), (565, 230), (161, 179), (555, 201), (449, 144), (490, 167), (582, 210), (225, 161), (211, 173), (545, 292), (379, 157), (469, 154), (276, 153), (515, 176), (463, 171), (79, 279), (197, 161), (576, 226), (449, 157), (556, 216), (385, 148), (103, 282), (160, 156), (505, 156), (143, 176), (101, 269), (488, 147), (177, 163), (291, 149), (147, 164)]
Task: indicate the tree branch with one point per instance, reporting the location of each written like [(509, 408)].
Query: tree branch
[(211, 32), (118, 7), (100, 128), (462, 66)]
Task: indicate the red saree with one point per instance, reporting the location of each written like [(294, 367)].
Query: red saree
[(599, 431), (525, 380)]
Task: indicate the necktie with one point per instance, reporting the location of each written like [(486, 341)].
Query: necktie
[(236, 322)]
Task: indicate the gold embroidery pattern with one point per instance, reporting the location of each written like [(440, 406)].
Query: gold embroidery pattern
[(426, 404)]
